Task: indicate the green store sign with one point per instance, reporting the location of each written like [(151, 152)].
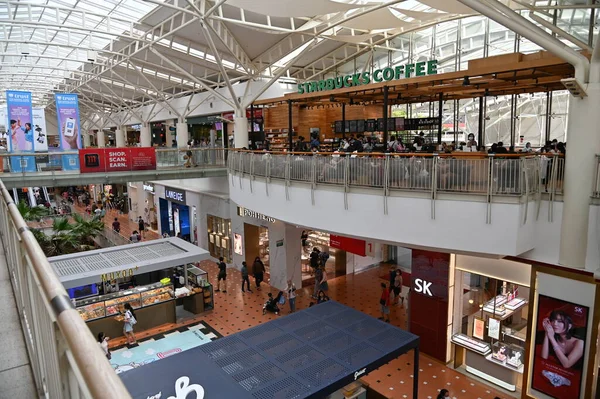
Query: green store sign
[(380, 75)]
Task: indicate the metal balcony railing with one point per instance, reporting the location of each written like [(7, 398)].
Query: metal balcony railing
[(482, 174), (166, 158), (65, 358)]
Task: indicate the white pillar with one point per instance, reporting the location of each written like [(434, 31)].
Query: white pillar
[(240, 131), (284, 261), (100, 139), (182, 134), (120, 135), (145, 135), (86, 139), (583, 145)]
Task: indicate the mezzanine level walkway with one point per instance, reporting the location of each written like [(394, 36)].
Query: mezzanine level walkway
[(49, 171)]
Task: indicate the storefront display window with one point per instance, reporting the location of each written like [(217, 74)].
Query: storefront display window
[(336, 263), (219, 233), (493, 329)]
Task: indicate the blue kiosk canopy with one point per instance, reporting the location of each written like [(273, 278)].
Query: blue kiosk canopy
[(309, 354)]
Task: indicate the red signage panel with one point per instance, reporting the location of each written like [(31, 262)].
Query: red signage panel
[(117, 159), (348, 244)]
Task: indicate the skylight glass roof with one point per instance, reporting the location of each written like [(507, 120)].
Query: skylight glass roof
[(46, 39)]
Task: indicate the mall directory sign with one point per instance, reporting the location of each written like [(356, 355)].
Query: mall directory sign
[(379, 75), (94, 160)]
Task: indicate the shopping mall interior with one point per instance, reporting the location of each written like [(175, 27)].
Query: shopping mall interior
[(325, 199)]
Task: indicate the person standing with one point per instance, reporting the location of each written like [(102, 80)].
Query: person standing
[(245, 278), (222, 276), (384, 302), (103, 341), (258, 270), (291, 293), (443, 394), (141, 226), (129, 321), (398, 288), (324, 286)]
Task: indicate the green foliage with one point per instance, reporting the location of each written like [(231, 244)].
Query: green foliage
[(67, 237), (31, 213)]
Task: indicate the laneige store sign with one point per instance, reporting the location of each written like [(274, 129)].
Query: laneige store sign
[(245, 212), (175, 195)]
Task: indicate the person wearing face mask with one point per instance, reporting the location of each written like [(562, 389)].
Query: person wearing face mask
[(471, 142)]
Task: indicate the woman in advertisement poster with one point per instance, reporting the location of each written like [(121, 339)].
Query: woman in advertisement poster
[(559, 341), (16, 128)]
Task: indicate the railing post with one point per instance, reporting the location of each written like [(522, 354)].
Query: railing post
[(386, 182), (524, 184), (434, 179), (490, 189), (313, 178), (268, 173), (596, 183), (252, 159), (287, 173), (346, 180)]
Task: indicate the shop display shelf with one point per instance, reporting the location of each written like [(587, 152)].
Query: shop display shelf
[(471, 344)]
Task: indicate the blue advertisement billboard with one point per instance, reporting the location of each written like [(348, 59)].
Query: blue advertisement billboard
[(69, 130), (20, 117)]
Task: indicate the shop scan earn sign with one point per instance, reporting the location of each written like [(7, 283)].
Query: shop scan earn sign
[(93, 160), (364, 78)]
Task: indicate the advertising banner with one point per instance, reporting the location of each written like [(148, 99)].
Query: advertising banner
[(430, 273), (40, 134), (69, 130), (348, 244), (93, 160), (560, 335), (20, 130)]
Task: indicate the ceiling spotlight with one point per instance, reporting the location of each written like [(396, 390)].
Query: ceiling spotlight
[(466, 81)]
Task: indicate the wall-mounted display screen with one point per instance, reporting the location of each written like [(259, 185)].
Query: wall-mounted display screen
[(360, 126), (352, 126), (371, 125), (560, 341), (339, 128)]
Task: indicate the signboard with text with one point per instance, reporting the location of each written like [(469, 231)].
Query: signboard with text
[(348, 244), (93, 160), (175, 195), (430, 273)]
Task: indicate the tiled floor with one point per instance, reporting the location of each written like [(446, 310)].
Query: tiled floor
[(16, 378), (235, 311)]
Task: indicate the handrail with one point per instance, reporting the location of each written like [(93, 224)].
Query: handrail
[(477, 173), (456, 154), (91, 374)]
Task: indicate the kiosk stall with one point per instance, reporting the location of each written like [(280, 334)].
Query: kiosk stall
[(101, 282)]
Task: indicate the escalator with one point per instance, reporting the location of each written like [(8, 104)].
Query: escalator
[(22, 194)]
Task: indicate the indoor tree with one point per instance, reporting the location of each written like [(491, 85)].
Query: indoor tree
[(31, 214)]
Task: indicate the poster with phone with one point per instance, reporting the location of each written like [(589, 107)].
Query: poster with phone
[(69, 131), (40, 135), (19, 129), (560, 335)]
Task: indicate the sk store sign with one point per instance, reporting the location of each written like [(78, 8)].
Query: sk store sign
[(117, 159)]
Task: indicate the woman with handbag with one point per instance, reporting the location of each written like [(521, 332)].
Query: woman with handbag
[(384, 302), (129, 321)]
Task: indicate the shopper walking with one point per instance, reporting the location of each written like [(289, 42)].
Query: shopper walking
[(141, 226), (291, 293), (116, 225), (129, 321), (398, 288), (222, 276), (324, 286), (103, 341), (384, 302), (258, 270), (245, 278), (318, 278)]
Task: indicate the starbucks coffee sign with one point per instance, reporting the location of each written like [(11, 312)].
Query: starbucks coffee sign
[(380, 75)]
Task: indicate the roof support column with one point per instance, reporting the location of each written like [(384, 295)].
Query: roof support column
[(440, 116), (386, 91), (100, 138), (580, 166), (481, 122), (121, 136), (290, 127), (240, 129), (145, 135), (182, 133)]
